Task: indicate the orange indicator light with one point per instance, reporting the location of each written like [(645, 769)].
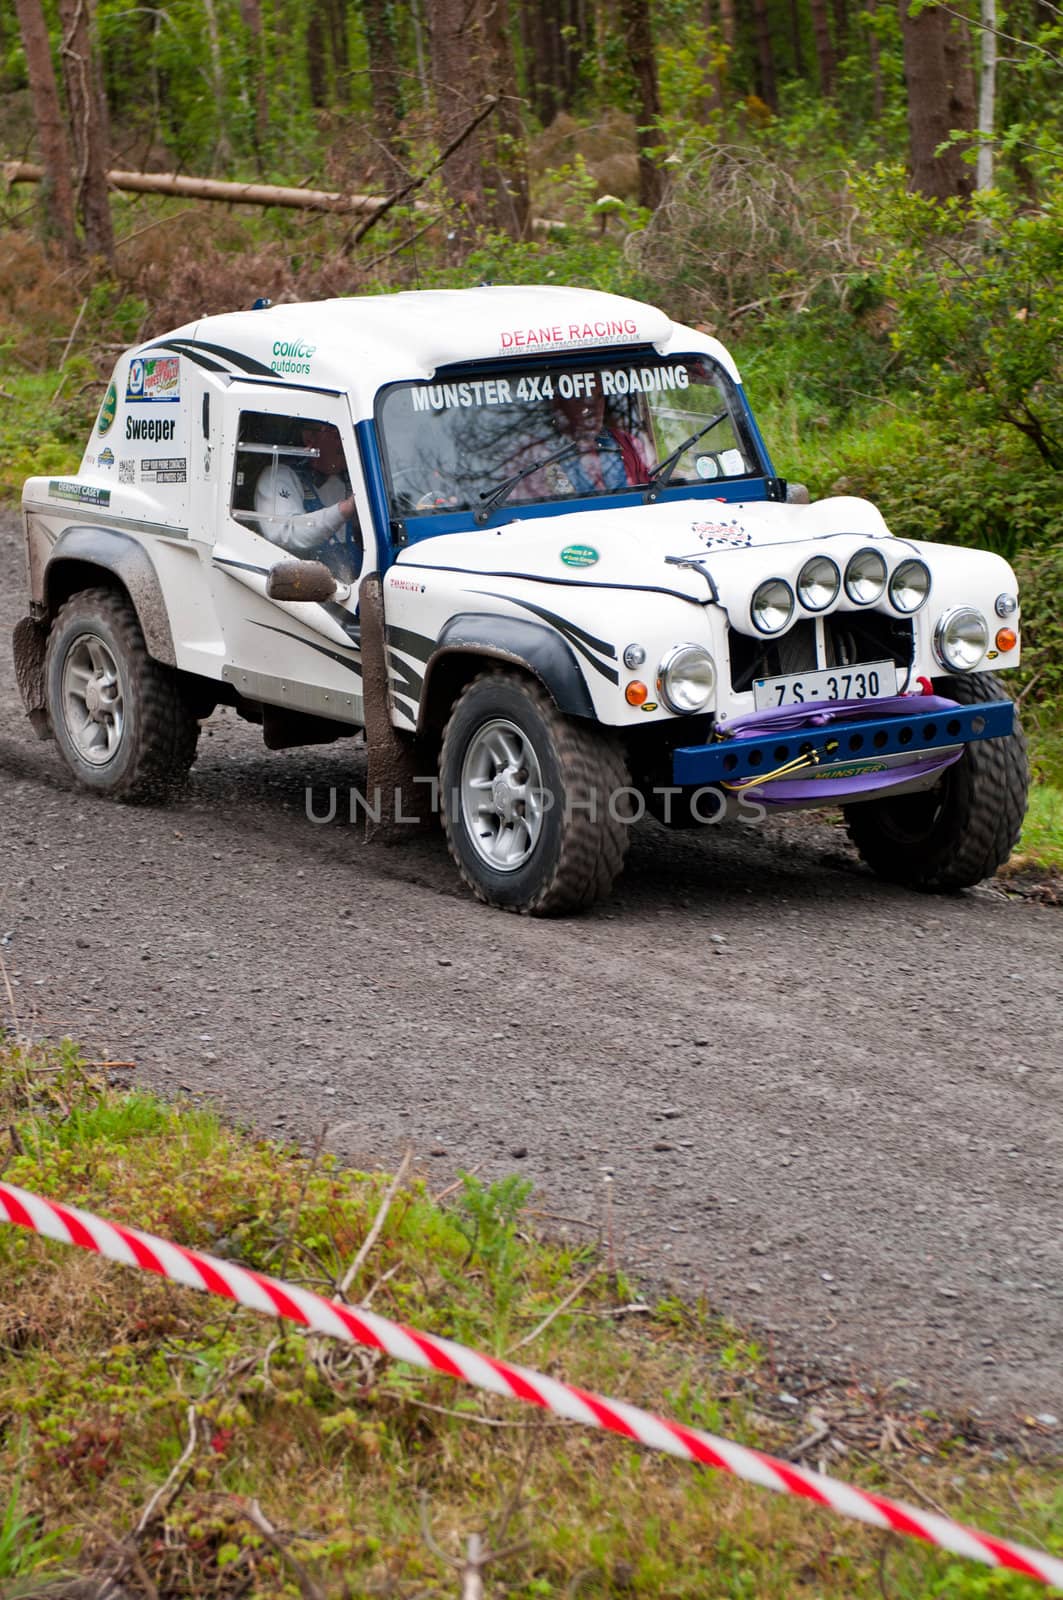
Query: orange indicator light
[(1007, 639), (636, 693)]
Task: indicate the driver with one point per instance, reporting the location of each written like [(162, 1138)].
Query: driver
[(307, 506), (608, 458)]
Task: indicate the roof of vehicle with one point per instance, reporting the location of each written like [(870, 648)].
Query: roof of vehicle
[(362, 341)]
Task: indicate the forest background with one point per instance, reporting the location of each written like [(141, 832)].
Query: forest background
[(863, 199)]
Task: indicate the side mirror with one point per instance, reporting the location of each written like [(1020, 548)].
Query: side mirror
[(300, 580), (797, 494)]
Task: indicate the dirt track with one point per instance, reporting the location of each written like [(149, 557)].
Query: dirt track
[(831, 1106)]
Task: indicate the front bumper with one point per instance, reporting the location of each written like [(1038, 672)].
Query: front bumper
[(842, 750)]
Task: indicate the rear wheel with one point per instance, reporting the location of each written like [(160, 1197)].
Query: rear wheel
[(120, 718), (535, 805), (962, 830)]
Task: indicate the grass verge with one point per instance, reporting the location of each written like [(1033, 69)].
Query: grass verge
[(276, 1464)]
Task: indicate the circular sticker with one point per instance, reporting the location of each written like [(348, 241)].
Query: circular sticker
[(136, 376), (108, 409), (579, 555), (707, 467)]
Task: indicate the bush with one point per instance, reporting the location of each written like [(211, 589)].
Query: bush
[(742, 231), (979, 313), (1040, 574)]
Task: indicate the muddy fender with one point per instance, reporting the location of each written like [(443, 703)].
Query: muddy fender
[(533, 645), (127, 559)]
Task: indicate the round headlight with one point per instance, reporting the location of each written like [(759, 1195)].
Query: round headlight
[(686, 679), (1006, 605), (910, 585), (772, 606), (865, 577), (818, 583), (961, 639)]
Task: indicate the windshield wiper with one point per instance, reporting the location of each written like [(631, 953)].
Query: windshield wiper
[(659, 475), (495, 497)]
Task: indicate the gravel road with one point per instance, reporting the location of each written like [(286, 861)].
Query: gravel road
[(829, 1105)]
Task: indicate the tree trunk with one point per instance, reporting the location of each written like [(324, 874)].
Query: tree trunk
[(251, 17), (840, 9), (795, 37), (222, 148), (711, 62), (417, 21), (824, 45), (88, 122), (878, 95), (512, 201), (727, 24), (765, 55), (940, 79), (540, 31), (385, 84), (577, 45), (638, 42), (51, 129), (472, 62), (987, 90)]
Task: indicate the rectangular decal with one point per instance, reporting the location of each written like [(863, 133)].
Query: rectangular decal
[(568, 336), (156, 430), (154, 378), (165, 469), (547, 386), (84, 494)]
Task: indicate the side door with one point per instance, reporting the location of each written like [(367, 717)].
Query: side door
[(303, 655)]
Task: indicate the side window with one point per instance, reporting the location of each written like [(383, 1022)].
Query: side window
[(292, 486), (263, 442)]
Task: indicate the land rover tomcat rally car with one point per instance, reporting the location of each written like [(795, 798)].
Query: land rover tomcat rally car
[(581, 591)]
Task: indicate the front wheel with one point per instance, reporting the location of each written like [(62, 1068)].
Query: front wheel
[(966, 826), (119, 717), (536, 807)]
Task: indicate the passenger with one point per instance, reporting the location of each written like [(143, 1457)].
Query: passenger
[(306, 506)]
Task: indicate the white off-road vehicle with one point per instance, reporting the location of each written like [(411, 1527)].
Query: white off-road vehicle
[(573, 588)]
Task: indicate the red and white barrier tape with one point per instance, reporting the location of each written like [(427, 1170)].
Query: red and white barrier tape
[(277, 1299)]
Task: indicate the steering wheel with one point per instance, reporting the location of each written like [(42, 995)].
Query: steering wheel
[(428, 489)]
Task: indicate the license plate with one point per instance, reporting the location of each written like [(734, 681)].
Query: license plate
[(869, 681)]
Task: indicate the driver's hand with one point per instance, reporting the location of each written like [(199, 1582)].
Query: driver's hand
[(347, 507)]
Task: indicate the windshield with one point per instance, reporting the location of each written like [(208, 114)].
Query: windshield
[(509, 435)]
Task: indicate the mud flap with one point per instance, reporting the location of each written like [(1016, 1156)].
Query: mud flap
[(28, 644), (400, 794)]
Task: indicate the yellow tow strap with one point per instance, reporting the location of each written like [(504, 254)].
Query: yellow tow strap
[(809, 759)]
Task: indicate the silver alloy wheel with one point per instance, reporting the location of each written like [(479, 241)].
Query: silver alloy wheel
[(502, 804), (93, 709)]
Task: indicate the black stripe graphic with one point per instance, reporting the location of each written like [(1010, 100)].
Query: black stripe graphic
[(405, 679), (414, 644), (193, 355), (188, 347), (243, 566), (561, 583), (568, 630), (333, 655), (412, 713)]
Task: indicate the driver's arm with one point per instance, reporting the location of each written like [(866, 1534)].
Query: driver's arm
[(278, 502)]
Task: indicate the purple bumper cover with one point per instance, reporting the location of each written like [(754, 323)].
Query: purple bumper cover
[(847, 735)]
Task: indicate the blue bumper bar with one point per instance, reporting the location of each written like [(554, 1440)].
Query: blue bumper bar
[(842, 743)]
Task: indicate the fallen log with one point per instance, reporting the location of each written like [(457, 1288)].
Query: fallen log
[(243, 194), (235, 194)]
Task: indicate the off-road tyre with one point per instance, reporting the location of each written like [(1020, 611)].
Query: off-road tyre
[(584, 838), (159, 734), (962, 830)]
